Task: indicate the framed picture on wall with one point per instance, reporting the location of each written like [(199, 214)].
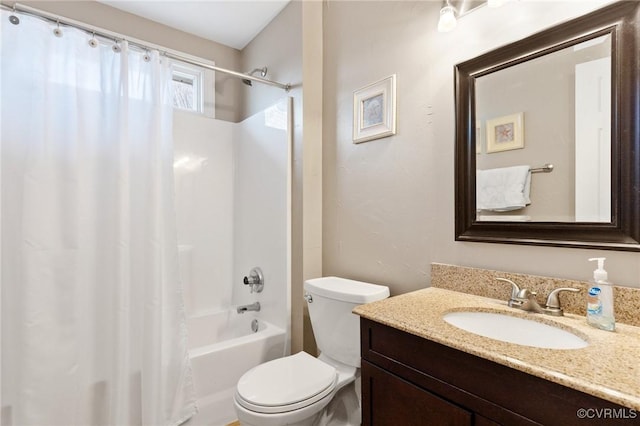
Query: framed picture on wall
[(374, 110), (505, 133)]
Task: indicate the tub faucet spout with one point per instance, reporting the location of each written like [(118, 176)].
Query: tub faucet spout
[(252, 307)]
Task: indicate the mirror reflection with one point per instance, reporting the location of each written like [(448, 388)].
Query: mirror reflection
[(543, 138)]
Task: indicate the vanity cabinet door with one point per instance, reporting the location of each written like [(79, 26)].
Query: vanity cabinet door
[(389, 400), (483, 421)]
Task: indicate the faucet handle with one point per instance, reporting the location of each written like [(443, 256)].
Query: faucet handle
[(514, 290), (526, 294), (553, 302), (255, 280)]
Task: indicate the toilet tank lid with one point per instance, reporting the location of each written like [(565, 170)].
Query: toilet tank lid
[(346, 290)]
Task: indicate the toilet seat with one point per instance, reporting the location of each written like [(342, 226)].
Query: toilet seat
[(286, 384)]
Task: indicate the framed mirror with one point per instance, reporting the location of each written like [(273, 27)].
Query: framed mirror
[(548, 136)]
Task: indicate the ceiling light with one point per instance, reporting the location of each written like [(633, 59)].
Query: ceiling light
[(495, 3), (447, 20)]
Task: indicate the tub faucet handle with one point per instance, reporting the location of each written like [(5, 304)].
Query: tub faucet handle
[(248, 281), (255, 280)]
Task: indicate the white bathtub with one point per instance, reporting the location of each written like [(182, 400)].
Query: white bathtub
[(222, 347)]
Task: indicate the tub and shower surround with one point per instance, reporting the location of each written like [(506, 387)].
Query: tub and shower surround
[(232, 191)]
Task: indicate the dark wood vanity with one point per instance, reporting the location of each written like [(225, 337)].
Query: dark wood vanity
[(410, 380)]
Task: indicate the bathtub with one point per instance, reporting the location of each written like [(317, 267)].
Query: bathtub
[(222, 347)]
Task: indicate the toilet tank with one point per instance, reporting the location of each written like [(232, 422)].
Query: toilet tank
[(336, 329)]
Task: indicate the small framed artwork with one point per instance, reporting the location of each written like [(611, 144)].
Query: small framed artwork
[(505, 133), (374, 110)]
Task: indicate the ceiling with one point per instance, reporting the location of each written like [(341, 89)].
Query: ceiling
[(230, 22)]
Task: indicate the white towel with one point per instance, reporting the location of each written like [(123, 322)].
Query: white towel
[(503, 189)]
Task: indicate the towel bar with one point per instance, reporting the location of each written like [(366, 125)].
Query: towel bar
[(547, 168)]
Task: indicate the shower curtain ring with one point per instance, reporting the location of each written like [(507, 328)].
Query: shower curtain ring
[(116, 47), (93, 42), (13, 18), (57, 31), (146, 56)]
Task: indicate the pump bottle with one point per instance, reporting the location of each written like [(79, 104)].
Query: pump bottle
[(600, 299)]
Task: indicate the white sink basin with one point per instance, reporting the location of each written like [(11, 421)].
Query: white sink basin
[(516, 330)]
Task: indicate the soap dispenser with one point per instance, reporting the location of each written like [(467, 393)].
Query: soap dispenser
[(600, 299)]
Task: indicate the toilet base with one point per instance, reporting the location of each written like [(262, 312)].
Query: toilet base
[(344, 408), (306, 416), (312, 421)]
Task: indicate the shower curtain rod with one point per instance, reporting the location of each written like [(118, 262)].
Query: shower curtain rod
[(236, 74), (96, 31)]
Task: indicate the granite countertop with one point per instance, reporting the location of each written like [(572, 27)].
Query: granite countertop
[(608, 368)]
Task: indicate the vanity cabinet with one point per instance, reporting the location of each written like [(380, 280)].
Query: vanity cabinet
[(408, 380)]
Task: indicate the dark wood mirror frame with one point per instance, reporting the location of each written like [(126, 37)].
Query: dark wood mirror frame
[(622, 21)]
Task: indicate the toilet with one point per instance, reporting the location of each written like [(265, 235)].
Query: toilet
[(299, 389)]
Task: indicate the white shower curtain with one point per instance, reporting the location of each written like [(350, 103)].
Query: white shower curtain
[(93, 327)]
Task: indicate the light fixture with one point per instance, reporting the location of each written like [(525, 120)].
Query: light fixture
[(448, 19), (452, 10)]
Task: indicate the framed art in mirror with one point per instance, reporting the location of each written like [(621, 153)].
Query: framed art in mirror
[(505, 133)]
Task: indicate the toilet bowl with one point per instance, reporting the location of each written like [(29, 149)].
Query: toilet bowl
[(289, 391), (296, 390)]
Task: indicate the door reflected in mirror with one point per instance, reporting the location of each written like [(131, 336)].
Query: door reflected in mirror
[(554, 109)]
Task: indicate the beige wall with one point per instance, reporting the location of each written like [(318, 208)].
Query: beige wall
[(312, 231), (389, 204), (548, 107), (280, 47), (228, 100)]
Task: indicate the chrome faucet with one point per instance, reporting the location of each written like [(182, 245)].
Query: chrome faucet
[(523, 299), (252, 307)]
